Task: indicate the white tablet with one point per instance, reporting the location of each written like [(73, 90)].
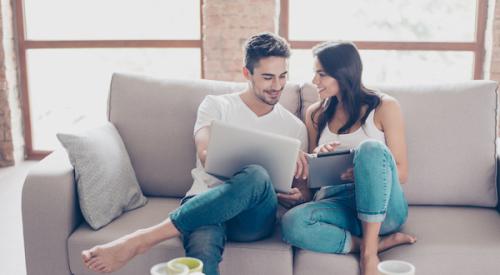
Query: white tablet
[(232, 147), (326, 168)]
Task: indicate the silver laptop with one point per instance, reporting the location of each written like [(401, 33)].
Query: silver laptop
[(231, 148)]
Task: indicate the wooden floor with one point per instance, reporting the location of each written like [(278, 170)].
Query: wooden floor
[(11, 233)]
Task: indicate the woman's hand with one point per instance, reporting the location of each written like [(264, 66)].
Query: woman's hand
[(348, 175), (291, 198), (328, 147)]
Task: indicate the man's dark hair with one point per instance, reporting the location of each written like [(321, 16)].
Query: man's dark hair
[(264, 45)]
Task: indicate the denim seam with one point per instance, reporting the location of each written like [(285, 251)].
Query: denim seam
[(385, 182)]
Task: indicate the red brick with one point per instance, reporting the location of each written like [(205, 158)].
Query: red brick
[(228, 24)]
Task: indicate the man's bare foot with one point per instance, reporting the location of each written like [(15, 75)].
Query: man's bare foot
[(395, 239), (368, 264), (111, 256)]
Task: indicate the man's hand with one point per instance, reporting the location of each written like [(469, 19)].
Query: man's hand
[(302, 169), (201, 139), (325, 148), (291, 199), (300, 193)]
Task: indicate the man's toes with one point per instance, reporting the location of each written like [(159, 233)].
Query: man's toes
[(100, 267), (91, 264), (86, 255), (413, 239), (95, 266)]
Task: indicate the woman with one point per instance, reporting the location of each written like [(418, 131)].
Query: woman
[(350, 217)]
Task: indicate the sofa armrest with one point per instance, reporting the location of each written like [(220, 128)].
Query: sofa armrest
[(50, 214), (498, 175)]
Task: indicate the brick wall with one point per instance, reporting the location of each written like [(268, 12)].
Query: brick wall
[(6, 145), (11, 73), (227, 24), (493, 59)]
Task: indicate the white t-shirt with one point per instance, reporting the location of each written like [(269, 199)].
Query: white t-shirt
[(231, 109)]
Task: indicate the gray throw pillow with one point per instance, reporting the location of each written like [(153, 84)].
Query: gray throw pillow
[(106, 182)]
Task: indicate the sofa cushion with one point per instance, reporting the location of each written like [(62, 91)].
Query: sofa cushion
[(450, 240), (156, 118), (451, 139), (106, 181), (268, 256)]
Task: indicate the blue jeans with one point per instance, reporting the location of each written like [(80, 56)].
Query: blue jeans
[(328, 223), (241, 209)]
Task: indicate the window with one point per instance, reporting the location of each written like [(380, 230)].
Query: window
[(68, 51), (399, 41)]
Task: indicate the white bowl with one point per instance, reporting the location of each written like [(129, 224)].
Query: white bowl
[(394, 267)]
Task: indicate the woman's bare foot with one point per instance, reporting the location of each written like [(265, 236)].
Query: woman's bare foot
[(368, 264), (113, 255), (386, 242), (395, 239)]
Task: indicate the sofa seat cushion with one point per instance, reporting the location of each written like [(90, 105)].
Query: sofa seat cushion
[(451, 240), (268, 256)]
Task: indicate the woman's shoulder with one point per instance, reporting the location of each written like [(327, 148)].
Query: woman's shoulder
[(314, 106), (387, 103), (388, 108)]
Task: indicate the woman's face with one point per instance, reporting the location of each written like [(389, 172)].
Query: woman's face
[(327, 85)]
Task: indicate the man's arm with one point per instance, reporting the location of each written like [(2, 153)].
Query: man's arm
[(201, 139)]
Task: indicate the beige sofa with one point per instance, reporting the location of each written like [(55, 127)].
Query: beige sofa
[(452, 189)]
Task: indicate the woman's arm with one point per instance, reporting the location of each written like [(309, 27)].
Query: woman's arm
[(390, 118)]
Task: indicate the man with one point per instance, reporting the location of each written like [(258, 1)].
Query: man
[(242, 208)]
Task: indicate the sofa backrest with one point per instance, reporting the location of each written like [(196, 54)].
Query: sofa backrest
[(451, 137), (155, 119)]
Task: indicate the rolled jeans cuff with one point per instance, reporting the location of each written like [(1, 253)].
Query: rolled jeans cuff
[(371, 217), (347, 243), (177, 224)]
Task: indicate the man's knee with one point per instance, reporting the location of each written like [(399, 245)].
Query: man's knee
[(254, 179), (256, 173)]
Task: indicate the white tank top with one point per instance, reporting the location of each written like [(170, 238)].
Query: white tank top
[(350, 141)]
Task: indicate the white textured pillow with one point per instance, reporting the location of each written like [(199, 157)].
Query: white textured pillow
[(106, 182)]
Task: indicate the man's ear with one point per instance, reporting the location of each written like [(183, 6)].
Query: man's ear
[(246, 73)]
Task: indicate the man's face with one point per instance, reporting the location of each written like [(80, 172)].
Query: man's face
[(268, 79)]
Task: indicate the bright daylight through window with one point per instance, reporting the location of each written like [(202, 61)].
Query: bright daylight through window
[(447, 26), (72, 48)]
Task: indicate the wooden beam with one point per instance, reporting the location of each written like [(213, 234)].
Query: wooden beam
[(46, 44), (402, 46)]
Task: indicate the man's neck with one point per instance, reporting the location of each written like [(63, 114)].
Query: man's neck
[(255, 104)]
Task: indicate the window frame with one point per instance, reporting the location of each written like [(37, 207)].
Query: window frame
[(23, 45), (477, 46)]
